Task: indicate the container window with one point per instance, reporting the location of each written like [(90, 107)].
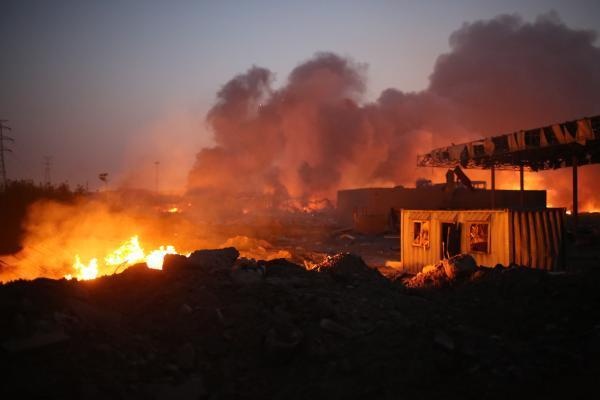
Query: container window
[(479, 237), (421, 233)]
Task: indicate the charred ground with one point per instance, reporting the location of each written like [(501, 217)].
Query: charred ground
[(213, 327)]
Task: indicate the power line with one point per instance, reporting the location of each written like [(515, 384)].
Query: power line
[(4, 149)]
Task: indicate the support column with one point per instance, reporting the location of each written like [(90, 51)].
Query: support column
[(522, 185), (575, 211), (493, 171)]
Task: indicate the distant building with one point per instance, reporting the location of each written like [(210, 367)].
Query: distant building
[(376, 210)]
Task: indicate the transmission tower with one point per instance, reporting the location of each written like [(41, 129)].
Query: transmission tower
[(47, 166), (4, 149)]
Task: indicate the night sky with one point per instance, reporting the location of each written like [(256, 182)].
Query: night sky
[(113, 86)]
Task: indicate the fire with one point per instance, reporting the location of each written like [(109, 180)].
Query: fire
[(307, 206), (155, 258), (129, 253), (83, 271)]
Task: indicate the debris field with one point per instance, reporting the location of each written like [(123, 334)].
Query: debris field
[(217, 326)]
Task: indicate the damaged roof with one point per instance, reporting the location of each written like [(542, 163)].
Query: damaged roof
[(550, 147)]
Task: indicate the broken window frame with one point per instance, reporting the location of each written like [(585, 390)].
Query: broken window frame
[(424, 234), (488, 237)]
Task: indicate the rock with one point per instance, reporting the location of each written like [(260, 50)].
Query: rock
[(35, 341), (226, 322), (246, 274), (185, 309), (281, 267), (62, 318), (346, 266), (331, 326), (191, 389), (459, 266), (477, 275), (324, 307), (444, 341), (175, 261), (172, 368), (186, 357), (220, 259), (281, 344), (93, 315)]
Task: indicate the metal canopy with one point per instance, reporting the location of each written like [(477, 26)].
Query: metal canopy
[(556, 146)]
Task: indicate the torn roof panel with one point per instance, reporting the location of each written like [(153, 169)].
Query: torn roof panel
[(550, 147)]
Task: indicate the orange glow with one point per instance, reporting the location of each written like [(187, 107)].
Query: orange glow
[(155, 258), (83, 271), (312, 205), (592, 210), (129, 253), (590, 207)]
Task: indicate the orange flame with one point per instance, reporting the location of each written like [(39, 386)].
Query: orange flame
[(129, 253)]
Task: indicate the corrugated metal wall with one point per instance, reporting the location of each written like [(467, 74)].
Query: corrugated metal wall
[(532, 239), (538, 238), (415, 257)]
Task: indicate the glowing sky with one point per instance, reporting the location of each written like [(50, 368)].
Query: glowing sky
[(113, 86)]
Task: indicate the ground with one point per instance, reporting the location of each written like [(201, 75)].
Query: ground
[(210, 329)]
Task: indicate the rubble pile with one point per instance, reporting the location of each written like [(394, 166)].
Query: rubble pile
[(349, 267), (217, 326), (447, 272)]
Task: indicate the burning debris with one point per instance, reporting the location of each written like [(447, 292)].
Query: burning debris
[(126, 255)]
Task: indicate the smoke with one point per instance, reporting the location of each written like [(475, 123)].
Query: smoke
[(316, 133), (505, 74)]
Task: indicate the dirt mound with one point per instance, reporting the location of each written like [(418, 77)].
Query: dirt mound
[(272, 329), (221, 259)]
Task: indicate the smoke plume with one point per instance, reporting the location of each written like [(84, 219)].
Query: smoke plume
[(316, 133)]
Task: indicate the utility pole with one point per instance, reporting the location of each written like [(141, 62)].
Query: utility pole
[(4, 149), (104, 178), (156, 165), (47, 165)]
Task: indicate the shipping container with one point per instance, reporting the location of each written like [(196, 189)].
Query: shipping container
[(531, 238)]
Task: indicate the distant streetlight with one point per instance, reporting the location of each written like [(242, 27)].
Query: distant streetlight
[(104, 178)]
